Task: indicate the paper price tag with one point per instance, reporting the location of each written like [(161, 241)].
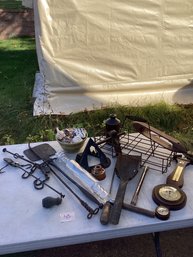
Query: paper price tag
[(67, 216)]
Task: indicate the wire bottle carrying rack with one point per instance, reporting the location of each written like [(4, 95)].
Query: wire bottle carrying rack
[(153, 154)]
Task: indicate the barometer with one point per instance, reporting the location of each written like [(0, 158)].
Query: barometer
[(169, 196), (162, 212)]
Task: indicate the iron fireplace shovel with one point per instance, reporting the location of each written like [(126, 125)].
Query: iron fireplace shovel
[(126, 168)]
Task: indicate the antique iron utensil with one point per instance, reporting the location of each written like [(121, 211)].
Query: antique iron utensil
[(138, 188), (126, 168)]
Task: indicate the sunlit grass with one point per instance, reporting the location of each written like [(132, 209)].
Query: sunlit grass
[(10, 4), (18, 65)]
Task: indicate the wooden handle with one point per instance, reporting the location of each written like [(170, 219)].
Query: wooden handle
[(159, 137), (139, 210), (176, 178), (105, 214), (116, 209)]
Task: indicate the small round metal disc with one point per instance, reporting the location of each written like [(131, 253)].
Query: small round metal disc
[(162, 212)]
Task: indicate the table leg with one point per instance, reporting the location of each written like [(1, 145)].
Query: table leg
[(156, 240)]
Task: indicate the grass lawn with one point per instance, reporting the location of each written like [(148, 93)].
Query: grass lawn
[(10, 4), (18, 65)]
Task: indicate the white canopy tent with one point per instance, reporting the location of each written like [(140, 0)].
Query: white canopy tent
[(97, 53)]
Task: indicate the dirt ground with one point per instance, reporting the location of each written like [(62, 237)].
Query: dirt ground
[(16, 23)]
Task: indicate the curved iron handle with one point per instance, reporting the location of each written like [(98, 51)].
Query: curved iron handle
[(38, 184), (116, 210)]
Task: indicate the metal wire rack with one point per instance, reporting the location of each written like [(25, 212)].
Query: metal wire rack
[(152, 154)]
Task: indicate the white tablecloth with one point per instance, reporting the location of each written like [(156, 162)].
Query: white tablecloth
[(25, 225)]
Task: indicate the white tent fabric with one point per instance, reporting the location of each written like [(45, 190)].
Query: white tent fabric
[(97, 53)]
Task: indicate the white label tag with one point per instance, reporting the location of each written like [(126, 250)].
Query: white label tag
[(67, 216)]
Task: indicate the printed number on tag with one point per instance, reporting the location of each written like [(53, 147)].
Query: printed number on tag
[(67, 216)]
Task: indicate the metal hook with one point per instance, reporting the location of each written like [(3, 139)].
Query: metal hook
[(2, 169), (8, 162), (26, 174), (27, 166), (92, 212), (39, 184)]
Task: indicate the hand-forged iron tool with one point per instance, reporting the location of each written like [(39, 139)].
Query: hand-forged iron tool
[(39, 184), (34, 166), (10, 162), (136, 193), (91, 211), (126, 168), (105, 215), (50, 164), (161, 212), (113, 139)]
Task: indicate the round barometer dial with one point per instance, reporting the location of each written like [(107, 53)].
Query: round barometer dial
[(170, 193), (169, 196), (162, 212)]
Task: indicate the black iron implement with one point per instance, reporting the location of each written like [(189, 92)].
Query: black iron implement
[(126, 168)]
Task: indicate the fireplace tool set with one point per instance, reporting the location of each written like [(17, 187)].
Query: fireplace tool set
[(146, 149)]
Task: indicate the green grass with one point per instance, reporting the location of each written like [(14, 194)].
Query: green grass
[(10, 4), (18, 65)]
